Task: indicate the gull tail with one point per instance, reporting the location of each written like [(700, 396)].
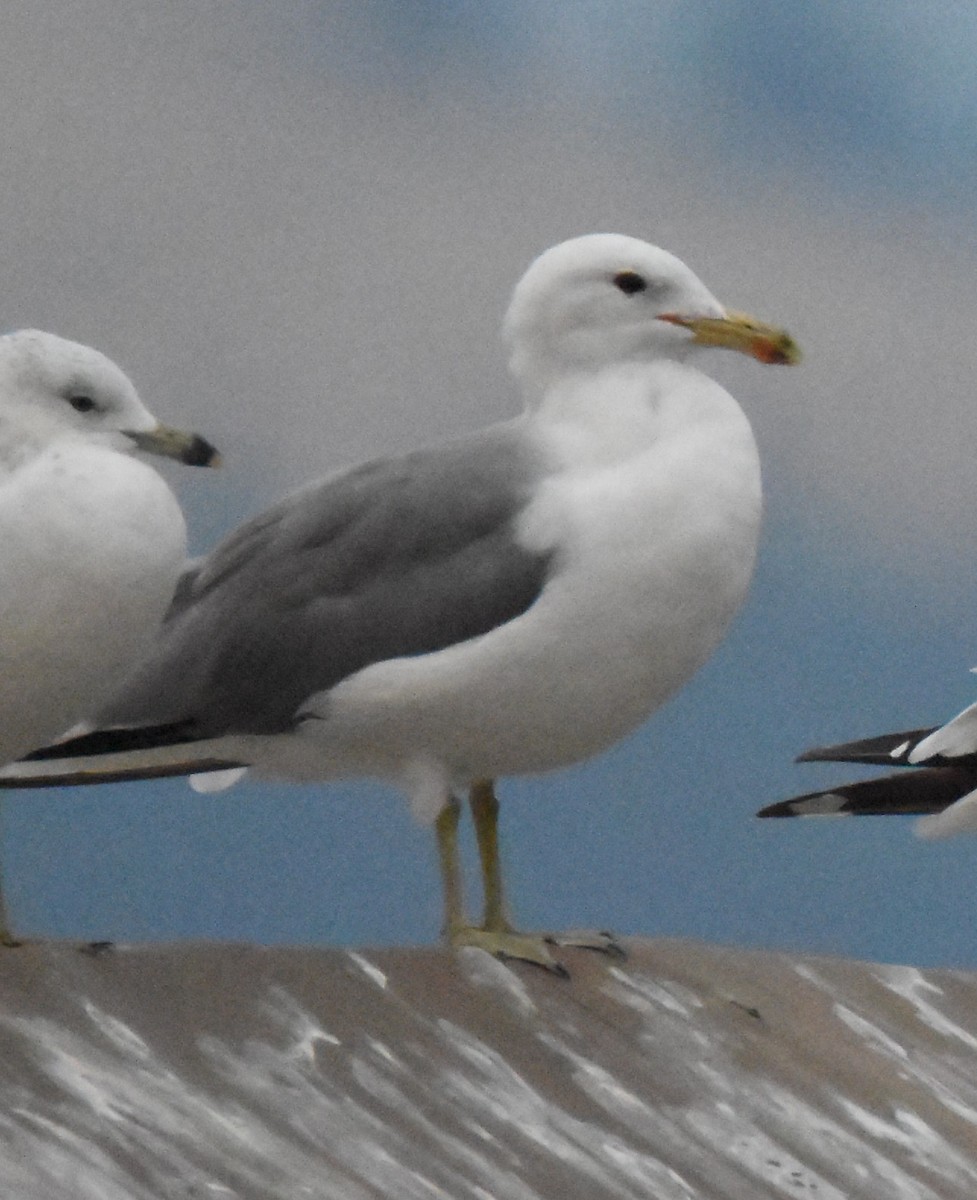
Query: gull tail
[(118, 756)]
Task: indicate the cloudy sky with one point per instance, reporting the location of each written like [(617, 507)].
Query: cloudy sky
[(296, 226)]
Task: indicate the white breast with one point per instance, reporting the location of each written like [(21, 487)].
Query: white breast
[(90, 548)]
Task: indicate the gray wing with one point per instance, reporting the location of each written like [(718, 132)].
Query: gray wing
[(397, 557)]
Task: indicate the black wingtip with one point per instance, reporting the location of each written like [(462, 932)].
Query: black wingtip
[(813, 804), (886, 750), (903, 793), (784, 808), (92, 776), (117, 741)]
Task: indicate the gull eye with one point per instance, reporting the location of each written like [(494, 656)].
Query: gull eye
[(630, 282), (81, 403)]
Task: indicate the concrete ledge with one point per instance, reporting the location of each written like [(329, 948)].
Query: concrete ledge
[(691, 1071)]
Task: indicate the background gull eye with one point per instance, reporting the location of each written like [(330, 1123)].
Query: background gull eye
[(82, 403), (630, 282)]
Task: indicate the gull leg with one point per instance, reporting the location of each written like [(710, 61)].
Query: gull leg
[(485, 814), (6, 936), (496, 934), (446, 828)]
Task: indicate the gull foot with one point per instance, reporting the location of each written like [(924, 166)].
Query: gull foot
[(510, 944), (9, 941), (94, 949), (601, 941)]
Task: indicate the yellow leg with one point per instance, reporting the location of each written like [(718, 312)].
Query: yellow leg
[(446, 828), (6, 936), (495, 934), (485, 815)]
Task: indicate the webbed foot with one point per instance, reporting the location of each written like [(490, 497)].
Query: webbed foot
[(599, 940), (510, 944)]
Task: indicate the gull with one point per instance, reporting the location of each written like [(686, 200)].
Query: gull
[(92, 541), (510, 602), (942, 791)]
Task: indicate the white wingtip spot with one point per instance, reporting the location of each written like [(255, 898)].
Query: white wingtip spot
[(900, 750), (824, 804)]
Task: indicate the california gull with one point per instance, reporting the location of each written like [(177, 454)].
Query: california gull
[(92, 540), (510, 602)]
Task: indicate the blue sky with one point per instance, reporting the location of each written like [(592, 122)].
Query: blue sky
[(297, 230)]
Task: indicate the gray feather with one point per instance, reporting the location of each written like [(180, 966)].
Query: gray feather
[(400, 556)]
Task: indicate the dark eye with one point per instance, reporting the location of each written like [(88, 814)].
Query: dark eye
[(630, 282), (82, 403)]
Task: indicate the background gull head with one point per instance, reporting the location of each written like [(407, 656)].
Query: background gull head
[(57, 391)]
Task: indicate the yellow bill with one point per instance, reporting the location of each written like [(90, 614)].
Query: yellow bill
[(739, 331)]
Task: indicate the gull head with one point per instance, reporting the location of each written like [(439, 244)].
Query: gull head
[(55, 390), (607, 299)]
